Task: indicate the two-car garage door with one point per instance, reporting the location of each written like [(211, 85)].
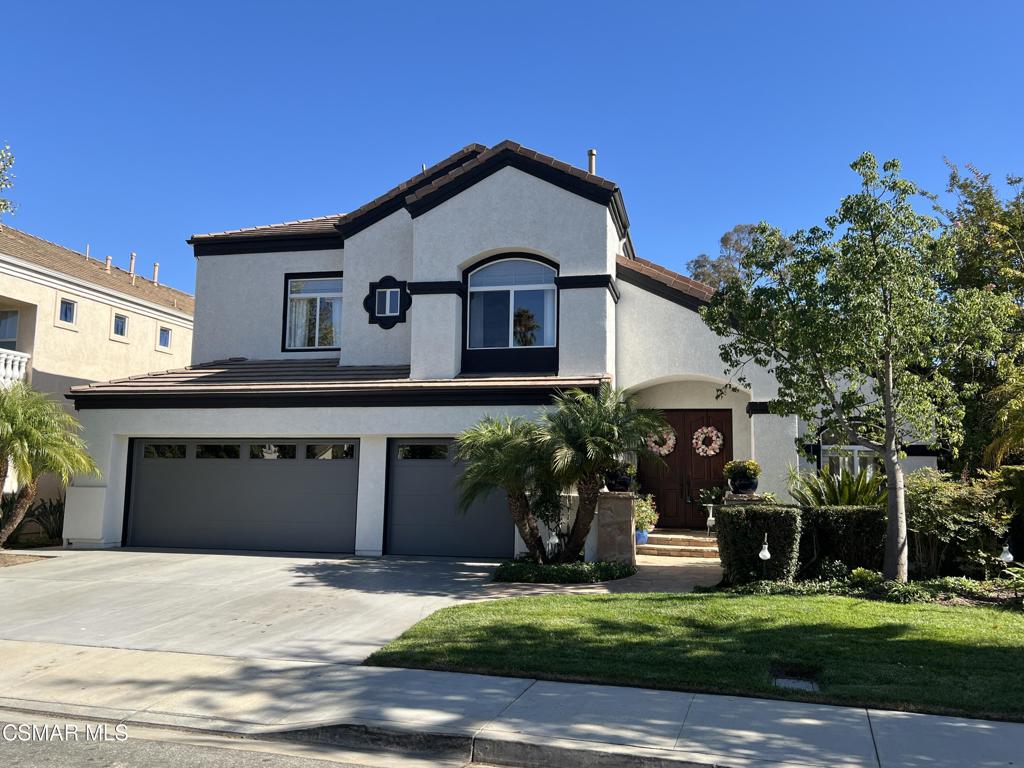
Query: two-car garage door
[(300, 496), (295, 495)]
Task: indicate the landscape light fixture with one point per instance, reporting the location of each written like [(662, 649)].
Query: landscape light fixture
[(1006, 555), (764, 554)]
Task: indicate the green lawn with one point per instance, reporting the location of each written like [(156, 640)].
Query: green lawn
[(928, 658)]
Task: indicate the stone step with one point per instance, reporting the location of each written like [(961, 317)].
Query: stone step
[(669, 550), (687, 540)]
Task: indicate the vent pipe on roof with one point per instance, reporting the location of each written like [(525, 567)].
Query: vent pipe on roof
[(86, 251), (423, 167), (592, 162), (156, 273), (131, 263), (106, 263)]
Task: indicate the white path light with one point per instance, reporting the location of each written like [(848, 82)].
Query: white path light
[(764, 554)]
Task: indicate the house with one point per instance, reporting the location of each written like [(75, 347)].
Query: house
[(66, 319), (335, 358)]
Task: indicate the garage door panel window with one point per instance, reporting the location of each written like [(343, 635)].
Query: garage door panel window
[(331, 451), (270, 451), (218, 451), (164, 451), (423, 452)]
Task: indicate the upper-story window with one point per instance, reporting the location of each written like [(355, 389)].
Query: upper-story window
[(8, 329), (313, 311), (389, 302), (68, 311), (512, 303), (120, 328)]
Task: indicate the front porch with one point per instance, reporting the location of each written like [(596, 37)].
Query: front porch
[(679, 542)]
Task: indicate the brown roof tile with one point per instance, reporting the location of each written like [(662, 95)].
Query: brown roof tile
[(22, 245), (697, 290)]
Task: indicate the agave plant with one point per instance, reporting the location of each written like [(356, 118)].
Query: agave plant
[(824, 489)]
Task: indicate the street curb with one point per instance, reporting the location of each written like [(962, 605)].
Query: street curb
[(441, 746)]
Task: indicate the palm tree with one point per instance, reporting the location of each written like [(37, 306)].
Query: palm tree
[(824, 489), (1009, 421), (510, 454), (587, 434), (37, 437)]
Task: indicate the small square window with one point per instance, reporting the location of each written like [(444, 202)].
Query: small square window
[(388, 302), (218, 451), (271, 451), (164, 338), (423, 452), (120, 325), (68, 310), (164, 451), (330, 451)]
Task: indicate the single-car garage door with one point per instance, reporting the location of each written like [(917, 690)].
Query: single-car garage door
[(287, 495), (422, 511)]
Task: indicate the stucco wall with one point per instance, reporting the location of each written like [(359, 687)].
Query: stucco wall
[(382, 249), (240, 303), (66, 355)]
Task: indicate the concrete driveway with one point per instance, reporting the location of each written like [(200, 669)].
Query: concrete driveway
[(250, 606)]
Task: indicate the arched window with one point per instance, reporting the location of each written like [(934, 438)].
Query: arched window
[(512, 303)]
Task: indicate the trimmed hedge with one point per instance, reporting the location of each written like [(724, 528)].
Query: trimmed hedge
[(855, 536), (741, 533), (528, 572)]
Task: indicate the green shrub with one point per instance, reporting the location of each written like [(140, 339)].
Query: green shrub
[(855, 536), (645, 513), (898, 592), (824, 489), (1011, 491), (864, 578), (955, 527), (49, 515), (529, 572), (833, 570), (741, 532)]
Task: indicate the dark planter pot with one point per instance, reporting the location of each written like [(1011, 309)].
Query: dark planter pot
[(743, 484), (641, 537), (617, 482)]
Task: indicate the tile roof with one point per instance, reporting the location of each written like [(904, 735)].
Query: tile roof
[(319, 375), (702, 292), (21, 245), (331, 224)]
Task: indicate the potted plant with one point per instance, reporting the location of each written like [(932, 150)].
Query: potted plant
[(621, 478), (742, 475), (646, 516)]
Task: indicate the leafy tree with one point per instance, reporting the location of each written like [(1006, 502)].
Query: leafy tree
[(6, 178), (1008, 434), (511, 454), (716, 271), (37, 437), (587, 433), (852, 320), (988, 233)]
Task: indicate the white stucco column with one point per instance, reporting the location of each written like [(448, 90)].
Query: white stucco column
[(774, 442), (436, 335), (373, 461)]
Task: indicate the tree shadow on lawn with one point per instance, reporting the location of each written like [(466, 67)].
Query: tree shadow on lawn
[(919, 658)]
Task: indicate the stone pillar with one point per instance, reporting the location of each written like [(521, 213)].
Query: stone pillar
[(616, 529)]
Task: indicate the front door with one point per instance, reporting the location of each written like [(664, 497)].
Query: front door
[(676, 483)]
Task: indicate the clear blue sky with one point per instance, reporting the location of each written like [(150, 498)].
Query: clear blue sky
[(136, 124)]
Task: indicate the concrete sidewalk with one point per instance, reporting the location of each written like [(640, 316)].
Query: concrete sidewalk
[(487, 719)]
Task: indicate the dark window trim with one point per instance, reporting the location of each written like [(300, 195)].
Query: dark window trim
[(407, 397), (511, 359), (589, 281), (758, 408), (387, 282), (437, 287), (284, 308), (246, 245), (658, 288)]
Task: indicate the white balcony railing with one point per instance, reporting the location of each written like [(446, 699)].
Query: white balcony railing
[(13, 366)]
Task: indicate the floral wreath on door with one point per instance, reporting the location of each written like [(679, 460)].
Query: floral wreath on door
[(707, 441)]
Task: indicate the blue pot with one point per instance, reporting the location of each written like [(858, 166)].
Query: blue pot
[(641, 537)]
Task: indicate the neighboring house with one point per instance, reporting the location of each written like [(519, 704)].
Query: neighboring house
[(335, 358), (66, 319)]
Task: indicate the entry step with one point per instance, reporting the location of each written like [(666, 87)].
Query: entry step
[(674, 550)]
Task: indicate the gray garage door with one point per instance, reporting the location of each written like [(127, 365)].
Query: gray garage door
[(288, 495), (422, 516)]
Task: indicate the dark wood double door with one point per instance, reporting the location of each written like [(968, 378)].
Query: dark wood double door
[(676, 483)]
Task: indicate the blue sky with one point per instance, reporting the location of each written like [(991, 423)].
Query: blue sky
[(136, 124)]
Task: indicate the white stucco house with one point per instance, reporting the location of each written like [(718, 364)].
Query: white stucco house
[(335, 358)]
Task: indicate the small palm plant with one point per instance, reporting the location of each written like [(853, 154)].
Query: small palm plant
[(1009, 422), (587, 434), (37, 437), (511, 454), (824, 489)]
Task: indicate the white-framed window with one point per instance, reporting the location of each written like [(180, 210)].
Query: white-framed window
[(119, 326), (512, 303), (66, 313), (313, 314), (163, 338), (388, 302), (852, 458), (8, 329)]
